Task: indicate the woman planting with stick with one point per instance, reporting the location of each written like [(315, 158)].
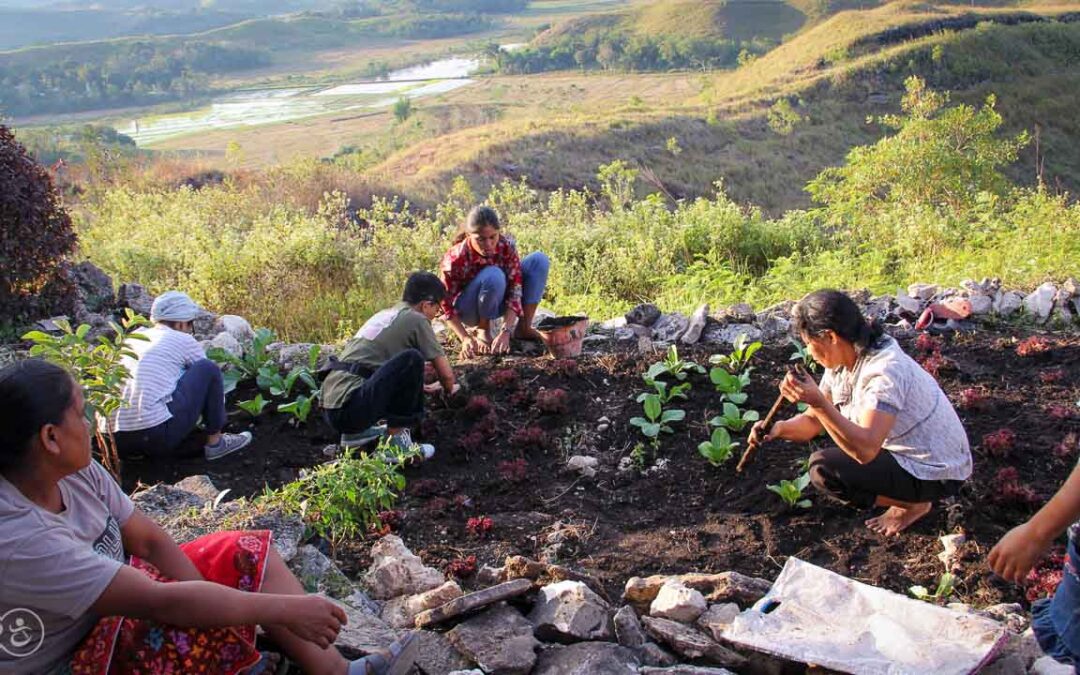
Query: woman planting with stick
[(484, 279), (899, 441), (71, 600)]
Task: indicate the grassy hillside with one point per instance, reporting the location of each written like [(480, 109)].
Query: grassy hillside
[(832, 76)]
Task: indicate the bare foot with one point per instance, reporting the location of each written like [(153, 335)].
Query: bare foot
[(896, 519), (528, 333)]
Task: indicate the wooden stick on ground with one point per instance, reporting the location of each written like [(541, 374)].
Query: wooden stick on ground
[(753, 443)]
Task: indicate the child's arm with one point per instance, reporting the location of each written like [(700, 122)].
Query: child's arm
[(445, 373), (1022, 546)]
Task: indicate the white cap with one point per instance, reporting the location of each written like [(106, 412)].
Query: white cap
[(174, 306)]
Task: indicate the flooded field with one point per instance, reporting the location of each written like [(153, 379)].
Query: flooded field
[(268, 106)]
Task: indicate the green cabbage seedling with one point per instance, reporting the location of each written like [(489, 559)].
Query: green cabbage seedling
[(719, 448), (733, 418), (731, 386), (791, 491), (739, 359), (946, 586), (253, 407), (656, 418)]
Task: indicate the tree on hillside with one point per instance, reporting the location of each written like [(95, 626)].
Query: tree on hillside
[(35, 239), (403, 109), (942, 158)]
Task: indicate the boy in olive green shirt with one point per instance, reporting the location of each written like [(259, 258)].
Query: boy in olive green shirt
[(380, 372)]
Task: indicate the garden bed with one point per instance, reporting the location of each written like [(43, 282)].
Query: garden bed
[(690, 516)]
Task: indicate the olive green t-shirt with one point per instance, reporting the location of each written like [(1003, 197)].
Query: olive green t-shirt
[(381, 338)]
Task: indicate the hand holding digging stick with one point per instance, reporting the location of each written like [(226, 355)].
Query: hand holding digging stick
[(760, 432)]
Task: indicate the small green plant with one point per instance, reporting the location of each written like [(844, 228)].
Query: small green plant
[(299, 409), (665, 392), (719, 448), (256, 359), (739, 358), (802, 355), (253, 407), (731, 386), (946, 586), (672, 365), (656, 418), (791, 491), (343, 499), (640, 456), (98, 368), (733, 418)]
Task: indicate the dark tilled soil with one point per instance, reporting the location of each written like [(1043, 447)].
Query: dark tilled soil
[(691, 517)]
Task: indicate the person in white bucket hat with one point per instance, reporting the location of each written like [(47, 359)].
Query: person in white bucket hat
[(172, 385)]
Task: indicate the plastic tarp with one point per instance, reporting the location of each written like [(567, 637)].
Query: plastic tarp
[(816, 616)]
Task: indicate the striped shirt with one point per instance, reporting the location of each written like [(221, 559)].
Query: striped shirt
[(927, 439), (162, 361)]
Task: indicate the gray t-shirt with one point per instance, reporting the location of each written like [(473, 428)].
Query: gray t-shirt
[(54, 566), (928, 439)]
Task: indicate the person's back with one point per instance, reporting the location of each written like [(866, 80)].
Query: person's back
[(161, 360)]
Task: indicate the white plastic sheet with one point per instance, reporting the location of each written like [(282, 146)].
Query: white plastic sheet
[(826, 619)]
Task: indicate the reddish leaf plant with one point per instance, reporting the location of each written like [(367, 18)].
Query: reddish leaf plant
[(479, 526), (462, 568), (1009, 490), (514, 471), (506, 378), (529, 438), (552, 401), (1000, 443)]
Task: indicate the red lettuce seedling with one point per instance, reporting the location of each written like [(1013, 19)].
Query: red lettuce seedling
[(1059, 412), (1043, 579), (487, 425), (1068, 445), (933, 363), (552, 401), (972, 399), (462, 568), (999, 443), (514, 471), (1009, 490), (479, 526), (565, 367), (928, 343), (473, 441), (1052, 375), (1036, 344), (506, 378), (477, 407), (529, 438)]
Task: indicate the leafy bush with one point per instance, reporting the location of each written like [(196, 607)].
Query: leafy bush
[(35, 239), (98, 368), (343, 499)]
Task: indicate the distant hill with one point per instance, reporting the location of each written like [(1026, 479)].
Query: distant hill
[(772, 124)]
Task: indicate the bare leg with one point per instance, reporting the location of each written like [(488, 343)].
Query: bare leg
[(311, 658), (898, 517), (525, 330)]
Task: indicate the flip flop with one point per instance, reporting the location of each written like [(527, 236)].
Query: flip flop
[(402, 657)]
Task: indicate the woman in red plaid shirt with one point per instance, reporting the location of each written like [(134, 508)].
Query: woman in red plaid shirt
[(484, 279)]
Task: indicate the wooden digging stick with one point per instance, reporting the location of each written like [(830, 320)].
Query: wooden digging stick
[(751, 445), (754, 443)]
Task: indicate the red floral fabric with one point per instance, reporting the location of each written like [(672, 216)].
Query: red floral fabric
[(124, 646), (462, 263)]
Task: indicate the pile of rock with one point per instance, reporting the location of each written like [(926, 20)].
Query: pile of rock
[(650, 328)]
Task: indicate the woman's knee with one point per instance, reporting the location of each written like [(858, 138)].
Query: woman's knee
[(820, 471), (492, 277), (536, 262)]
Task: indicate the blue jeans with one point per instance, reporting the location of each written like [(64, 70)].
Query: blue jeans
[(1056, 620), (199, 393), (394, 392), (485, 296)]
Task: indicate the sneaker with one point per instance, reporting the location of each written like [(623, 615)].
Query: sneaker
[(228, 444), (362, 438), (403, 440)]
